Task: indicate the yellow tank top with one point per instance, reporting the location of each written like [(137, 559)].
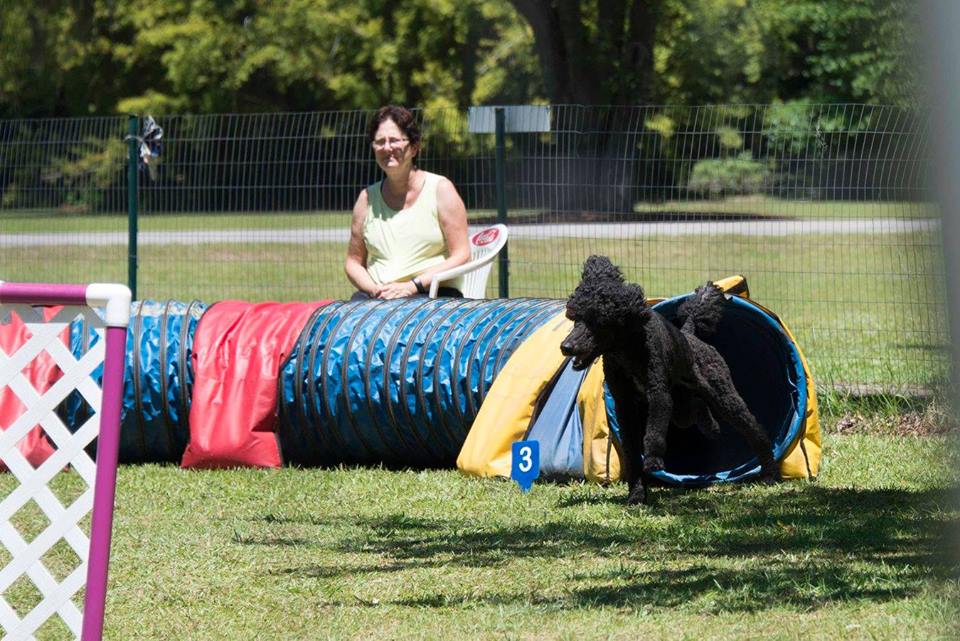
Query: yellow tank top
[(401, 244)]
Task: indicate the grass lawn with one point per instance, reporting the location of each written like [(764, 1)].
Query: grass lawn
[(374, 554), (864, 308), (768, 206), (53, 221), (869, 551)]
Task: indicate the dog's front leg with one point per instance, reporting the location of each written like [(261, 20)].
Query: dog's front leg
[(631, 436), (631, 414), (659, 410), (638, 492)]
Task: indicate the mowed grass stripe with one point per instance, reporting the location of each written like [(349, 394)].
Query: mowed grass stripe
[(360, 553)]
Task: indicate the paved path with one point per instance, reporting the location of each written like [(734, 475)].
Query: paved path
[(533, 232)]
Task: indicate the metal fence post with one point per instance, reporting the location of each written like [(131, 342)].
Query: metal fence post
[(132, 200), (504, 262)]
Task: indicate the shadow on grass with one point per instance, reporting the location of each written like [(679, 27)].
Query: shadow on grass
[(746, 551)]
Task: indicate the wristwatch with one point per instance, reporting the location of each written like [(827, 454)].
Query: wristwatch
[(419, 285)]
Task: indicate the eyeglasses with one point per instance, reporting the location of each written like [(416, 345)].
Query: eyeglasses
[(383, 143)]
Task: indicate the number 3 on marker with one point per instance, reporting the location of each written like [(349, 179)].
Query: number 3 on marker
[(526, 459), (525, 465)]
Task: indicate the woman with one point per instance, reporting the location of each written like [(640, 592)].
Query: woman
[(408, 226)]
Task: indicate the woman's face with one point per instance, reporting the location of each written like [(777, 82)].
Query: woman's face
[(391, 147)]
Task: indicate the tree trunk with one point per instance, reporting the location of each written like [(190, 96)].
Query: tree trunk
[(637, 52), (550, 47), (613, 68)]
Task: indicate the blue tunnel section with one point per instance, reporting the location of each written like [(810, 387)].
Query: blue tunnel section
[(157, 380), (768, 373), (397, 382)]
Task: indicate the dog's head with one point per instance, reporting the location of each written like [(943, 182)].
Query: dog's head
[(603, 309)]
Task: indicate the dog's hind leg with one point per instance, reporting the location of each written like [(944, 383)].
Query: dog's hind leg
[(704, 419), (659, 410), (689, 410), (726, 403)]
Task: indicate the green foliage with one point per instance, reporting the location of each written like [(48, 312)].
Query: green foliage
[(855, 51), (714, 51), (65, 58), (737, 175), (729, 137), (662, 123), (107, 56), (68, 58), (507, 71), (83, 175), (788, 127)]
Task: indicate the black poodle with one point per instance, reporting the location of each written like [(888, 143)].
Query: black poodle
[(657, 373)]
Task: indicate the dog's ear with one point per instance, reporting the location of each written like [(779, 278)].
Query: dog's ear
[(600, 267)]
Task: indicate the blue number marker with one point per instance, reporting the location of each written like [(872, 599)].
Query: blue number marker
[(525, 466)]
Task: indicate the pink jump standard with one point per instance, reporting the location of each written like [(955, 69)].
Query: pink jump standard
[(45, 339)]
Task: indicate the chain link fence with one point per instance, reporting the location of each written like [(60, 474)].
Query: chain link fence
[(824, 208)]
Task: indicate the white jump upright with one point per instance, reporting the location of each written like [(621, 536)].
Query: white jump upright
[(106, 308)]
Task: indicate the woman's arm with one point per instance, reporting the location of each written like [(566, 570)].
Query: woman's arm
[(355, 264), (452, 214)]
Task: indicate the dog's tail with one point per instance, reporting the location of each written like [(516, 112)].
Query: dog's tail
[(701, 313)]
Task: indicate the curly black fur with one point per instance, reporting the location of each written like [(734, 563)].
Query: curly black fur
[(701, 313), (659, 375)]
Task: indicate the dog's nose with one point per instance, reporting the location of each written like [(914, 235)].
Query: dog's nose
[(566, 349)]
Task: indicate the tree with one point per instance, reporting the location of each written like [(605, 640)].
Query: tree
[(763, 51), (598, 52), (305, 55), (65, 57), (855, 51), (714, 51), (83, 57), (86, 57)]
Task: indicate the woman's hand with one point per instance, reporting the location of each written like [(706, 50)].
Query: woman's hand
[(397, 290)]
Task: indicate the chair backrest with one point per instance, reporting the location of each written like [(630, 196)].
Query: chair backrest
[(484, 247)]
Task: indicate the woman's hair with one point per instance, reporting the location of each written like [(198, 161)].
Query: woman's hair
[(403, 118)]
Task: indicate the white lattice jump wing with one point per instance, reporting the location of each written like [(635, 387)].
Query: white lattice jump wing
[(105, 308)]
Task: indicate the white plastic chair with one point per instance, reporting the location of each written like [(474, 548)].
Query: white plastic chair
[(484, 247)]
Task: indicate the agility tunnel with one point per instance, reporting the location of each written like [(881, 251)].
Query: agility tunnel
[(573, 416), (157, 381), (397, 382), (421, 383), (771, 375)]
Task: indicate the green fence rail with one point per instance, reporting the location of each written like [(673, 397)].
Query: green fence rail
[(824, 208)]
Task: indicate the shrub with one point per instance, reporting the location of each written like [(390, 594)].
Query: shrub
[(728, 176)]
